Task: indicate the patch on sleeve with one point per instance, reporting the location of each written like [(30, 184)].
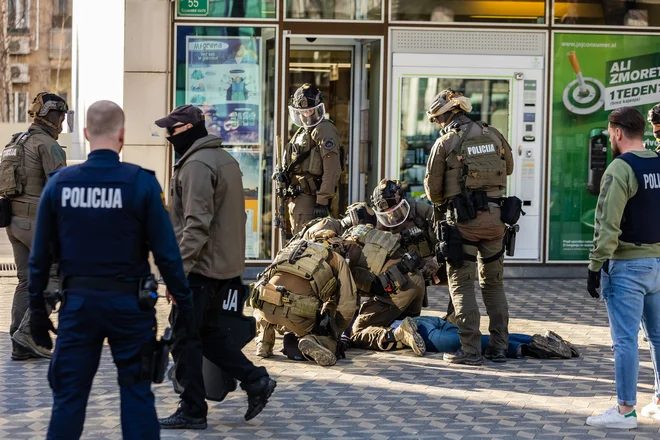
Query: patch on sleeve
[(329, 144), (162, 197)]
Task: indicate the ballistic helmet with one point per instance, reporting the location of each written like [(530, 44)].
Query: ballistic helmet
[(654, 114), (306, 106), (46, 102), (445, 105), (390, 205)]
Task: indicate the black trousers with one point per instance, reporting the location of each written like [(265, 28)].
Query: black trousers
[(209, 336)]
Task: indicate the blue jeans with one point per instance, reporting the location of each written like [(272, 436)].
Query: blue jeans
[(442, 336), (632, 293)]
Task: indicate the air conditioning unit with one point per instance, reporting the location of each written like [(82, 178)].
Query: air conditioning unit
[(19, 73), (19, 46)]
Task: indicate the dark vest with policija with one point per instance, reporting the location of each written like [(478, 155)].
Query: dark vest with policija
[(304, 259), (639, 221)]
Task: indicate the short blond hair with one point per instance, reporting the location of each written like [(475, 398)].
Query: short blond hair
[(104, 119)]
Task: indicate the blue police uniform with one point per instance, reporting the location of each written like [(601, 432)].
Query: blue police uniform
[(99, 219)]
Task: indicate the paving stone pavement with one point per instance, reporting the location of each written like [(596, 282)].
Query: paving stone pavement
[(378, 396)]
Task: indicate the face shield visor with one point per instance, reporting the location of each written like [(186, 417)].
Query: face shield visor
[(307, 117), (394, 216)]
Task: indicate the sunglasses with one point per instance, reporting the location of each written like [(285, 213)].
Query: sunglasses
[(172, 129)]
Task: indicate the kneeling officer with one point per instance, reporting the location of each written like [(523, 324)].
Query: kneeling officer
[(100, 219)]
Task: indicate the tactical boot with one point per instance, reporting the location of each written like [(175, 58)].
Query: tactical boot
[(258, 394), (495, 354), (321, 355), (26, 341), (19, 353), (179, 420), (264, 350), (550, 345), (574, 351), (406, 333), (461, 357)]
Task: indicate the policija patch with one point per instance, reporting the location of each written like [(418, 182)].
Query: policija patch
[(481, 149)]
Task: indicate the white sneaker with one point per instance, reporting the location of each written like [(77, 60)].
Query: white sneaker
[(612, 419), (651, 410)]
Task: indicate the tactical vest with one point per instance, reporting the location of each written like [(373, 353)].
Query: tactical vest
[(15, 177), (483, 160), (639, 223), (97, 206), (303, 155), (377, 245)]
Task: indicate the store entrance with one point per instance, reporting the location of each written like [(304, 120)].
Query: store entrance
[(347, 71)]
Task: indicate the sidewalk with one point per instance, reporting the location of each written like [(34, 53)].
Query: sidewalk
[(383, 395)]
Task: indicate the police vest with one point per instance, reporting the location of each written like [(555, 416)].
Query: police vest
[(483, 160), (101, 225), (15, 177), (639, 223), (378, 245)]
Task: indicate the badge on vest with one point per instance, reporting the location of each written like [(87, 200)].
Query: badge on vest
[(481, 149), (232, 298), (652, 181), (97, 198)]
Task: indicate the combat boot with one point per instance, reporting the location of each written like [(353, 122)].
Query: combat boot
[(406, 333), (25, 340), (179, 420), (549, 345), (258, 394), (463, 358), (264, 350), (313, 350), (497, 355), (19, 353)]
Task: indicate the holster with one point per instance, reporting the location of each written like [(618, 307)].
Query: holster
[(451, 245), (5, 212), (148, 294), (510, 239), (511, 209)]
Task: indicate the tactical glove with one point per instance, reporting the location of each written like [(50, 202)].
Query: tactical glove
[(343, 344), (320, 211), (593, 284), (40, 325), (410, 262)]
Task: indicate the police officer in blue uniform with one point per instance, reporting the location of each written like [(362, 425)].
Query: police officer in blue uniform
[(100, 219)]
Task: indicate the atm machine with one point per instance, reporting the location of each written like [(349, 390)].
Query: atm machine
[(507, 90)]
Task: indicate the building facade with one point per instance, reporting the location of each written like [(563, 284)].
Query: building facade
[(546, 73)]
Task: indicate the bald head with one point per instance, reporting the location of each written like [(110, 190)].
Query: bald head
[(105, 126)]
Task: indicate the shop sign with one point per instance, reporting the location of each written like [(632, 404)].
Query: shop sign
[(593, 75), (194, 8)]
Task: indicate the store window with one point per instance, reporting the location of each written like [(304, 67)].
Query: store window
[(334, 9), (484, 11), (490, 100), (260, 9), (637, 13), (229, 73)]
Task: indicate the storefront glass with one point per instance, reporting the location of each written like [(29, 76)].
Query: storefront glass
[(259, 9), (228, 72), (334, 9), (619, 70), (488, 11), (490, 103), (607, 12)]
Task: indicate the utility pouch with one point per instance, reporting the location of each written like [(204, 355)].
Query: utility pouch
[(480, 200), (510, 239), (148, 294), (511, 210), (254, 300), (464, 208), (271, 294), (451, 245), (5, 212), (306, 306)]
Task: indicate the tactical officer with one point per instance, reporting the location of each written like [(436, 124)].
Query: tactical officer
[(26, 162), (465, 176), (654, 119), (312, 161), (207, 208), (309, 290), (100, 219)]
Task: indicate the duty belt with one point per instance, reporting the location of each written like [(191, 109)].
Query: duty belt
[(23, 209), (101, 283)]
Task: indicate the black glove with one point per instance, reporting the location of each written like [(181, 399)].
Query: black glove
[(40, 325), (320, 211), (410, 262), (593, 284), (343, 344), (184, 320), (377, 287)]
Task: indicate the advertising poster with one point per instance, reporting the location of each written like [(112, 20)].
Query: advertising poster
[(250, 162), (223, 79), (593, 75)]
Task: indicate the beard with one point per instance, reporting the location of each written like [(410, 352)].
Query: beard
[(615, 149)]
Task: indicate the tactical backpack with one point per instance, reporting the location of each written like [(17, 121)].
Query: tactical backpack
[(378, 245), (11, 163)]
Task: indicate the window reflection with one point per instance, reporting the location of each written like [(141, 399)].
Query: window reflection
[(490, 103), (499, 11), (334, 9), (609, 12)]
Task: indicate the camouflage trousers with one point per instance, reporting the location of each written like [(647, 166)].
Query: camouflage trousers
[(461, 287)]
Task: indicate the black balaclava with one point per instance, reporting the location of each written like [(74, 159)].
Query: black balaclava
[(183, 141)]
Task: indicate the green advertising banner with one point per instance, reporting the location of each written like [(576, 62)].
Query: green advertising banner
[(593, 75)]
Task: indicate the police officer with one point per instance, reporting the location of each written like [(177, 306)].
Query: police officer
[(317, 308), (313, 159), (26, 162), (465, 176), (100, 219), (626, 254), (654, 119), (207, 209)]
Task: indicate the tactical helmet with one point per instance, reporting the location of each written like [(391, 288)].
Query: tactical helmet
[(389, 202), (306, 106), (359, 214), (45, 102), (445, 102), (654, 114)]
